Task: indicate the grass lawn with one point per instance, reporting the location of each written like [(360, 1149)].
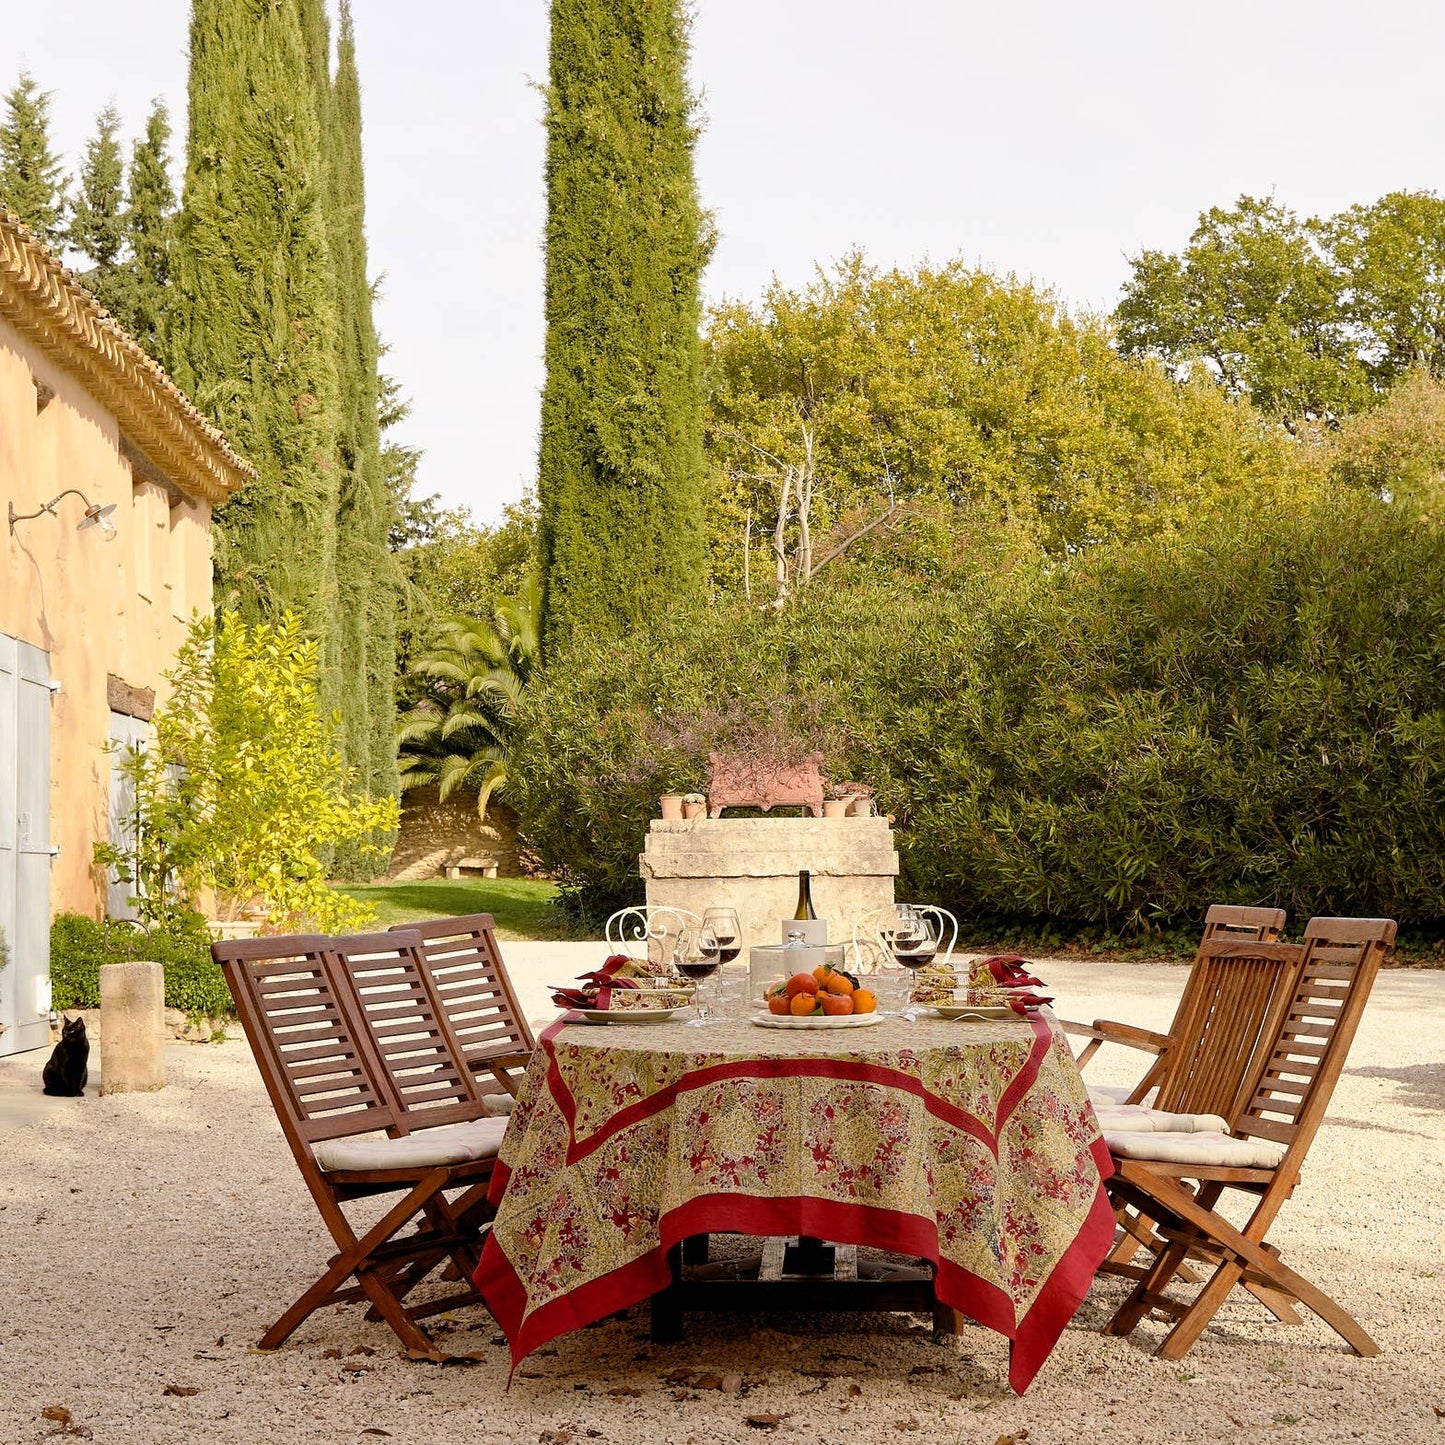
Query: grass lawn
[(522, 906)]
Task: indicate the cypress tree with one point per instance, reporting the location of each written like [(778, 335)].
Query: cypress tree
[(32, 183), (253, 332), (620, 481), (366, 571), (140, 292), (97, 222)]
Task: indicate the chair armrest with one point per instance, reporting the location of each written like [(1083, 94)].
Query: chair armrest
[(499, 1065), (1130, 1036), (1105, 1031)]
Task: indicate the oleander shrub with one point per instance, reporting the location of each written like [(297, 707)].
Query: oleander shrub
[(79, 946), (1252, 710)]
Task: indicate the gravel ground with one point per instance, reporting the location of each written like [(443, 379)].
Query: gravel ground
[(148, 1239)]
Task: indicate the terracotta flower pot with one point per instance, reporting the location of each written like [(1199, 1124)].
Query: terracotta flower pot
[(672, 805), (837, 807), (860, 808), (693, 810)]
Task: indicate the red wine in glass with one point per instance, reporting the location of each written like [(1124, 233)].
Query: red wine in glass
[(701, 967), (728, 949)]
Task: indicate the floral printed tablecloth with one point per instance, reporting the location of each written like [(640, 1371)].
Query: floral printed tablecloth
[(972, 1145)]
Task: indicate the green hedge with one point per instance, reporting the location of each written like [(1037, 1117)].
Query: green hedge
[(79, 946), (1253, 712)]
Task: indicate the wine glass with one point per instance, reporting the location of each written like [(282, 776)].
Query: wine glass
[(723, 924), (700, 966), (911, 937)]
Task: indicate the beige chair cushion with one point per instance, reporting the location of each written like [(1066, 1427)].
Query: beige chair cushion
[(1218, 1150), (1116, 1094), (1136, 1119), (451, 1144), (499, 1105)]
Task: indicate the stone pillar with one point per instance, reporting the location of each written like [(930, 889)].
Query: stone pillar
[(132, 1031), (752, 864)]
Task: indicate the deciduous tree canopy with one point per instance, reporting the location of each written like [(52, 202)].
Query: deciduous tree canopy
[(971, 400), (1311, 318)]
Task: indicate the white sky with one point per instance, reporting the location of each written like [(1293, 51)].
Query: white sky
[(1043, 137)]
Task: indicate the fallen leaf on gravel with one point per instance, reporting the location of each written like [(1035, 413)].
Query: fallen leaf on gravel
[(1439, 1413), (764, 1422), (1017, 1438), (363, 1350), (621, 1392), (925, 1370), (184, 1391), (707, 1382), (376, 1430), (1098, 1369), (855, 1390), (905, 1424), (220, 1340), (465, 1359), (677, 1377), (163, 1327), (1236, 1421), (58, 1413), (206, 1355), (331, 1354), (554, 1437), (685, 1395), (732, 1384)]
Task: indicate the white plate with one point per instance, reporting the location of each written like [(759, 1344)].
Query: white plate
[(626, 1015), (682, 986), (837, 1021), (979, 1011)]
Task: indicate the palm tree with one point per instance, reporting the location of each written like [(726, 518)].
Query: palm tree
[(459, 734)]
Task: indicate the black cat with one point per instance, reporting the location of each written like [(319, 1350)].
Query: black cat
[(68, 1071)]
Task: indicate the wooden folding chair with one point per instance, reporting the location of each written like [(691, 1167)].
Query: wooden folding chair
[(1223, 921), (1262, 1155), (1227, 1020), (330, 1089), (464, 965)]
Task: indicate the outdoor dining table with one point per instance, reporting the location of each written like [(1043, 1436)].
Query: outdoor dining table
[(971, 1145)]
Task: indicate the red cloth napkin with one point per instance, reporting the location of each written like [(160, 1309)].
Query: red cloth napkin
[(1009, 973), (603, 981)]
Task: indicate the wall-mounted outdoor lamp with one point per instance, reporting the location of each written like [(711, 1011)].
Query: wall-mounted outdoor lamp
[(95, 515)]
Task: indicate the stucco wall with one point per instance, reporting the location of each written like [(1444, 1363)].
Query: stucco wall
[(97, 607)]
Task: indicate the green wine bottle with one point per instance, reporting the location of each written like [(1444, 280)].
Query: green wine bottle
[(805, 896)]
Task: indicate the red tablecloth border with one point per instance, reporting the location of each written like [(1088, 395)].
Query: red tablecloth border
[(1030, 1341)]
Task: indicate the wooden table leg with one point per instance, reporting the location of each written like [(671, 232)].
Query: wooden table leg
[(808, 1256), (667, 1303)]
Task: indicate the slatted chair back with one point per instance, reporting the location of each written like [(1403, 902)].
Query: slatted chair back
[(462, 960), (380, 979), (1203, 996), (1230, 920), (1297, 1077), (1227, 1020), (317, 1066)]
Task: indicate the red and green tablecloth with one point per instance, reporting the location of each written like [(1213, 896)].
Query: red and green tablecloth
[(972, 1145)]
